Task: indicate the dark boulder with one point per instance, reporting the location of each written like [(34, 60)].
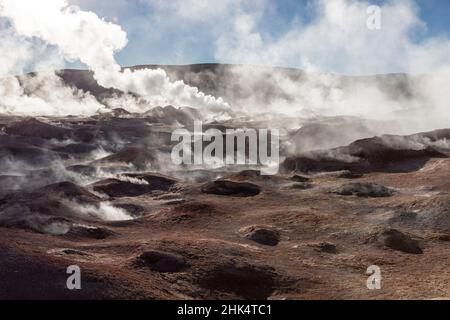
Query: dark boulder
[(119, 188), (69, 191), (399, 241), (261, 235), (327, 247), (233, 279), (143, 184), (160, 261), (139, 157), (365, 190), (298, 178), (231, 188), (300, 186), (79, 231), (388, 153), (35, 128)]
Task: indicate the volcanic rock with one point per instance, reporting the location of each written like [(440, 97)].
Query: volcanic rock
[(231, 188), (171, 115), (261, 235), (154, 181), (298, 178), (365, 190), (300, 186), (49, 209), (444, 237), (69, 191), (139, 157), (399, 241), (20, 217), (162, 261), (327, 247), (143, 184), (35, 128), (120, 112), (132, 209), (247, 281), (88, 232), (387, 153), (119, 188)]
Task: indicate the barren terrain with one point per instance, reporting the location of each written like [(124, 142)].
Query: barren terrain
[(100, 192)]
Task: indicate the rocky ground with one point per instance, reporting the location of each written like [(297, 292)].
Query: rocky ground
[(99, 192)]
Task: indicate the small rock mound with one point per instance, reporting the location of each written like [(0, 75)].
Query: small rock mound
[(366, 190), (231, 188), (300, 186), (69, 252), (387, 153), (137, 185), (243, 280), (399, 241), (35, 128), (50, 209), (154, 181), (84, 231), (298, 178), (162, 261), (23, 219), (444, 237), (326, 247), (139, 157), (262, 235), (71, 191)]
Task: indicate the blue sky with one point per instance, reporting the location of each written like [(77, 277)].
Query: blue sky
[(158, 36), (436, 14)]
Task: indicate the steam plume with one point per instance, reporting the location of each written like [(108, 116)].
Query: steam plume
[(83, 36)]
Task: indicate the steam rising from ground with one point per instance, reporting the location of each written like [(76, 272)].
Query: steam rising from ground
[(44, 94), (335, 40), (104, 211), (338, 40), (83, 36), (415, 103)]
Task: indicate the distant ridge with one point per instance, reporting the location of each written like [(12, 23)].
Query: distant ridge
[(236, 83)]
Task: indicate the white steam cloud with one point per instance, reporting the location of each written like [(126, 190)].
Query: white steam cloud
[(44, 94), (338, 40), (82, 36), (104, 211), (335, 39)]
